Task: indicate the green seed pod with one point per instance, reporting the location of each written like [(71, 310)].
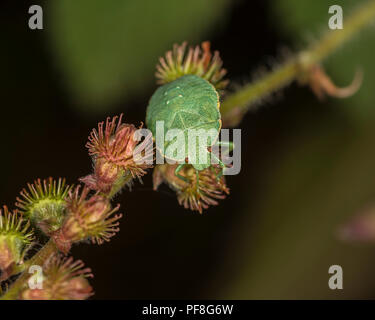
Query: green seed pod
[(89, 218), (15, 240), (44, 204), (199, 61)]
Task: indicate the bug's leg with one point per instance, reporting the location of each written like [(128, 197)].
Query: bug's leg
[(229, 147), (228, 144), (218, 175), (222, 165), (178, 169)]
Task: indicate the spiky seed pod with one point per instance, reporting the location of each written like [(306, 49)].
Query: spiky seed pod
[(44, 203), (63, 279), (198, 61), (87, 218), (112, 148), (15, 239), (191, 195)]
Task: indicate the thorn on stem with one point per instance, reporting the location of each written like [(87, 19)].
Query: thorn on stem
[(322, 85)]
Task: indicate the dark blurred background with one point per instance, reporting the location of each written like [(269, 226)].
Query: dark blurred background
[(306, 166)]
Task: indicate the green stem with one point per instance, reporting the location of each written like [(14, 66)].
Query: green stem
[(38, 259), (119, 184), (246, 97)]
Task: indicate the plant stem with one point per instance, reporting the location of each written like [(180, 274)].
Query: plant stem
[(294, 68), (38, 259), (120, 184)]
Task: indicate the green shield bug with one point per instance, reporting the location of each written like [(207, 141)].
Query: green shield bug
[(187, 103)]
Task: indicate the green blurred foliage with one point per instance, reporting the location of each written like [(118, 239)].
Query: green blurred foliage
[(320, 174), (308, 20), (289, 238), (107, 50)]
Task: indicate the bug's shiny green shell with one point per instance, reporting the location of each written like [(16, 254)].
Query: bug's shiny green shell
[(189, 102)]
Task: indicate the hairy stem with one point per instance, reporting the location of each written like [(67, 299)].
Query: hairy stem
[(38, 259), (246, 97), (124, 179)]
